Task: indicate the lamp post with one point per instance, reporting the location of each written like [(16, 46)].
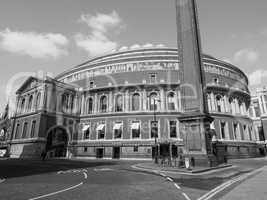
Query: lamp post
[(155, 125)]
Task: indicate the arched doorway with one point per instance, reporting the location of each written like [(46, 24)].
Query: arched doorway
[(57, 142)]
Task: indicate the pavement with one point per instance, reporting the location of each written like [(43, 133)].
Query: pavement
[(116, 179), (181, 170)]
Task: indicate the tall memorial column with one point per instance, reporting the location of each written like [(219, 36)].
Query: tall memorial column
[(195, 121)]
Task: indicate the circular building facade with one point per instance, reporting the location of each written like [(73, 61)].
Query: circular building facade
[(130, 100)]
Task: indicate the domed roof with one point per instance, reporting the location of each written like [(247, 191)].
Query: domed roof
[(142, 54)]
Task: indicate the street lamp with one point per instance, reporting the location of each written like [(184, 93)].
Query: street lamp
[(155, 126)]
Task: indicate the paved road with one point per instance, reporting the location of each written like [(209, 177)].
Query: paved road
[(63, 179), (95, 179), (252, 188)]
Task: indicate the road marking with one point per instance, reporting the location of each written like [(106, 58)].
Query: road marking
[(103, 169), (57, 192), (85, 175), (185, 195), (2, 180), (72, 171), (168, 178), (162, 174), (177, 186), (221, 187)]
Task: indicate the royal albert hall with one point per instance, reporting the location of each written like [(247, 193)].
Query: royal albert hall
[(121, 104)]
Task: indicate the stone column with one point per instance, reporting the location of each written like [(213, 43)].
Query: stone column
[(18, 105), (49, 96), (179, 100), (209, 102), (59, 102), (222, 102), (110, 102), (82, 104), (34, 95), (42, 98), (144, 98), (79, 103), (253, 111), (226, 103), (262, 104), (95, 103), (26, 104), (213, 106), (162, 100), (74, 110), (126, 102)]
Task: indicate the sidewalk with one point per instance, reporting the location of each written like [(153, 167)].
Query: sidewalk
[(252, 188), (195, 170)]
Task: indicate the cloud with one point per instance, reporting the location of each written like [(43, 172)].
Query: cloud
[(246, 55), (257, 77), (36, 45), (135, 46), (97, 42), (101, 22)]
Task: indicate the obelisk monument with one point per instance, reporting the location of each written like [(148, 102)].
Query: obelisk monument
[(195, 121)]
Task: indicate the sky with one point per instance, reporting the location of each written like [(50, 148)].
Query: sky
[(40, 37)]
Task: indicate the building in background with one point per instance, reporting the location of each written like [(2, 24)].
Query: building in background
[(115, 105), (5, 131), (258, 113)]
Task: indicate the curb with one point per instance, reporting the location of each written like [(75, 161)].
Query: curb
[(197, 172), (227, 184)]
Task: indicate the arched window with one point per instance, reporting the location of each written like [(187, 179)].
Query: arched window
[(219, 103), (232, 105), (119, 104), (136, 102), (103, 104), (24, 131), (33, 128), (237, 104), (171, 101), (30, 103), (22, 105), (153, 101), (90, 106), (38, 100)]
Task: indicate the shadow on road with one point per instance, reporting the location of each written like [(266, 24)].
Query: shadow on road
[(21, 167)]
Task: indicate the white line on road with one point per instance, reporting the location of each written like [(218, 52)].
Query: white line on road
[(185, 195), (162, 174), (221, 187), (103, 169), (177, 186), (60, 191), (85, 175), (2, 180), (169, 179)]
